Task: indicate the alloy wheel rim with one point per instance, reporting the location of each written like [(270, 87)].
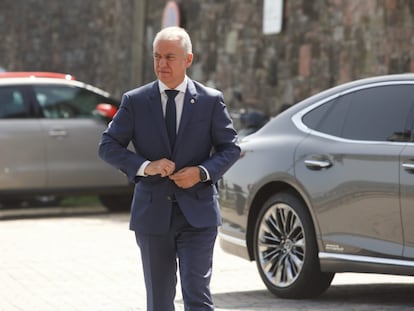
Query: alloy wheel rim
[(281, 245)]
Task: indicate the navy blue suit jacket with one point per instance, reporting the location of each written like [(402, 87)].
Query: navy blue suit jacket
[(206, 136)]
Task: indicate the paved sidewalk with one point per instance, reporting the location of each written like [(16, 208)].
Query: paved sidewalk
[(91, 263)]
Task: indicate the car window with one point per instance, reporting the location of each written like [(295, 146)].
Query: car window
[(377, 114), (12, 103), (59, 102), (329, 117)]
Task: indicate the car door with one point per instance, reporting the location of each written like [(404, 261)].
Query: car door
[(22, 156), (407, 198), (73, 132), (350, 165)]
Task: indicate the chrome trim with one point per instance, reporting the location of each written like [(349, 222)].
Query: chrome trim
[(317, 163), (233, 240), (409, 166), (297, 118), (355, 258)]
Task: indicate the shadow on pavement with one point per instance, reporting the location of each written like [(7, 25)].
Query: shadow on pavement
[(395, 296), (383, 293)]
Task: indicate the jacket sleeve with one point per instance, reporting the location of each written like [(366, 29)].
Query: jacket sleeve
[(114, 147), (225, 151)]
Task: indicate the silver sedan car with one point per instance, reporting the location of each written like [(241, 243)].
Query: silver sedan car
[(50, 127), (327, 186)]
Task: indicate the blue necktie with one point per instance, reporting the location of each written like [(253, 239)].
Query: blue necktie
[(171, 116)]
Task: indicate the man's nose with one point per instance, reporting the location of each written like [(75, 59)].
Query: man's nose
[(162, 62)]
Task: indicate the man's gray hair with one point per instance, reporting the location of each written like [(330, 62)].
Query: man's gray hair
[(175, 33)]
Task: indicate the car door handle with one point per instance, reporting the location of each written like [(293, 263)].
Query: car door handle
[(318, 164), (408, 166), (58, 133)]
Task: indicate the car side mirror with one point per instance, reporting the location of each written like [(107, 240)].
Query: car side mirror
[(106, 110)]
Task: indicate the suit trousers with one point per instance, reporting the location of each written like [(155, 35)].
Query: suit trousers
[(190, 247)]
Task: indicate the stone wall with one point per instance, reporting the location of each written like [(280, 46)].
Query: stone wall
[(322, 43), (109, 43), (89, 39)]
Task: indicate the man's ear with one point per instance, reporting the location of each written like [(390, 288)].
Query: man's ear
[(189, 60)]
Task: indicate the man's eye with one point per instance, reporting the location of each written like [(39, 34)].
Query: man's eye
[(170, 57)]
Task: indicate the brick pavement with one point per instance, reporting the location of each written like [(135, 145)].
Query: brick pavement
[(91, 263)]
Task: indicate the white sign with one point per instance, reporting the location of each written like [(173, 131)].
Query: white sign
[(272, 16), (171, 14)]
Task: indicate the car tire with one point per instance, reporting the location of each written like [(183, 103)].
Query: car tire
[(286, 251), (116, 203)]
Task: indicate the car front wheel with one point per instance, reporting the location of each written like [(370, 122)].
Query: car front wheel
[(286, 251)]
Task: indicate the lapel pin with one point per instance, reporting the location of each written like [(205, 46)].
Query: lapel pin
[(192, 100)]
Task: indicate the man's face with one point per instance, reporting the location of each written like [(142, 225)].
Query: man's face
[(171, 62)]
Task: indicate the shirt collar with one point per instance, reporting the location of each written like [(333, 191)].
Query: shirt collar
[(182, 87)]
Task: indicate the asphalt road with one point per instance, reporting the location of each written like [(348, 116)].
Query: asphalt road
[(85, 259)]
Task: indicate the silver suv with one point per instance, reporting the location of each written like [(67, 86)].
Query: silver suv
[(50, 126)]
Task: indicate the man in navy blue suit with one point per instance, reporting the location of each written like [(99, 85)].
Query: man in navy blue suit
[(175, 210)]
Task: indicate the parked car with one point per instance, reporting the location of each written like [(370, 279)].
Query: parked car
[(50, 127), (327, 186)]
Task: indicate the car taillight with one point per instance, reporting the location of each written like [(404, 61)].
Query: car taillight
[(106, 110)]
